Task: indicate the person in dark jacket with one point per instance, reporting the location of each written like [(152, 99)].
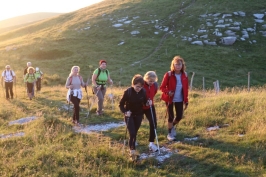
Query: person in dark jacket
[(151, 87), (175, 93), (131, 105)]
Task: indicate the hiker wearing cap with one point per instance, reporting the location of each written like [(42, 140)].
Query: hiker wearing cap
[(74, 83), (99, 78), (30, 79), (25, 72), (175, 93), (151, 87), (131, 104), (9, 77), (38, 74)]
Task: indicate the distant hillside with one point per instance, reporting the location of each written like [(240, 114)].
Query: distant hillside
[(136, 36), (25, 19)]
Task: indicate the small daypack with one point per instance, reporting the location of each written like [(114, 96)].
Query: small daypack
[(11, 72)]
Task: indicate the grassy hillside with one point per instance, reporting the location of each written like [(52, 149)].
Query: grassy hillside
[(50, 147), (86, 36)]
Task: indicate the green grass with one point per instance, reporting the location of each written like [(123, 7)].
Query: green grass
[(51, 147)]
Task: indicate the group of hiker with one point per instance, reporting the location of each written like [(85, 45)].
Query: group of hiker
[(137, 100), (32, 76)]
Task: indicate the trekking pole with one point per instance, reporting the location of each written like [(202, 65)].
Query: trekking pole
[(88, 113), (127, 120), (112, 101), (155, 129), (88, 101)]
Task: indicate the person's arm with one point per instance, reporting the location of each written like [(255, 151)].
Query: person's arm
[(68, 86), (109, 79), (122, 103), (164, 85)]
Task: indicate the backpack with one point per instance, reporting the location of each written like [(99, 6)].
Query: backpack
[(99, 72), (129, 91), (71, 77), (27, 76), (11, 72)]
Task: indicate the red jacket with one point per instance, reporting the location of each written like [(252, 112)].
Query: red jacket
[(169, 84), (150, 93)]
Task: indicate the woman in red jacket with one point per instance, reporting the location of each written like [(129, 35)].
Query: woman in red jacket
[(151, 87), (175, 93)]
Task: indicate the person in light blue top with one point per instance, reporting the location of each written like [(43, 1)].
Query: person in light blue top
[(178, 96)]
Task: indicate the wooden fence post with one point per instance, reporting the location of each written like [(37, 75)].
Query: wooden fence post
[(248, 81), (191, 82)]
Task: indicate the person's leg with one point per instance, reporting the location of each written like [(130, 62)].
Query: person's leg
[(147, 113), (75, 102), (29, 88), (11, 90), (7, 87), (170, 117), (179, 112), (100, 96), (132, 133), (137, 121)]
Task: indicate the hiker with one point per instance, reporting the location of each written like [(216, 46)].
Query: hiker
[(9, 77), (175, 93), (74, 83), (99, 78), (29, 80), (151, 87), (38, 74), (131, 105), (25, 72)]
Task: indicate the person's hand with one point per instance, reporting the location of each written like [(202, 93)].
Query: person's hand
[(71, 87), (111, 82), (149, 102), (186, 106), (170, 93), (128, 113), (98, 87)]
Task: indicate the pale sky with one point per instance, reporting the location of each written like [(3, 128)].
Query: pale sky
[(13, 8)]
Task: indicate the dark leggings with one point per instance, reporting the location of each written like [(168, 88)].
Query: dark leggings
[(30, 87), (9, 88), (178, 112), (38, 84), (147, 113), (75, 102), (133, 125)]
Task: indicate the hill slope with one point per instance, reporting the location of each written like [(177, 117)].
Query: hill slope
[(151, 33)]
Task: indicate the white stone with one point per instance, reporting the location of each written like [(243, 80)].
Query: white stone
[(213, 128), (22, 120), (227, 15), (135, 32), (203, 16), (189, 39), (137, 17), (228, 40), (197, 42), (216, 15), (245, 36), (242, 14), (258, 16), (235, 13), (117, 25), (237, 23), (235, 28), (220, 26), (220, 22), (87, 28), (209, 24), (121, 43), (250, 29), (254, 41), (259, 20), (127, 22), (209, 43), (156, 32), (204, 36), (202, 31), (264, 26), (166, 29), (242, 39)]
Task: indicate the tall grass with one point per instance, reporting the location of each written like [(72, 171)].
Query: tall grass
[(50, 146)]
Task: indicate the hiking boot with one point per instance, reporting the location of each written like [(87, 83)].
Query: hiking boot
[(173, 131), (170, 137), (153, 147)]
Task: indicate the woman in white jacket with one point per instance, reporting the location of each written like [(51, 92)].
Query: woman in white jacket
[(73, 84)]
